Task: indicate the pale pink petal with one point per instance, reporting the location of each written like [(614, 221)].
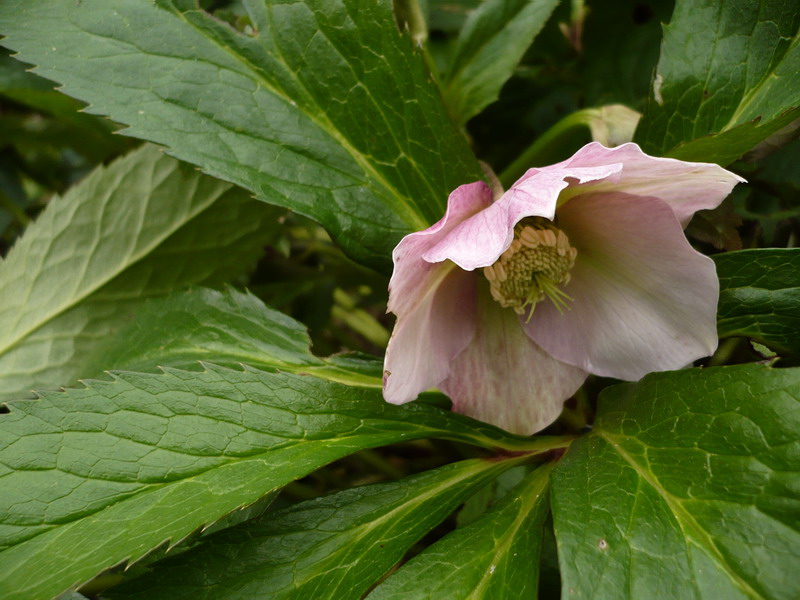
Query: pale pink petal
[(685, 186), (480, 240), (504, 378), (643, 299), (564, 170), (476, 241), (425, 341), (412, 274)]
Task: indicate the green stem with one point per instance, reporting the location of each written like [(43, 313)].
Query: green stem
[(540, 150), (376, 460), (578, 418), (415, 19), (724, 352), (418, 31)]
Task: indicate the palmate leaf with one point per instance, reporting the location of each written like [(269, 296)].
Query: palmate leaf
[(488, 49), (726, 80), (93, 477), (324, 108), (685, 488), (228, 328), (142, 227), (494, 558), (335, 547), (760, 296)]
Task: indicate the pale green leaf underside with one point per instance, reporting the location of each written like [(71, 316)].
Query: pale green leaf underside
[(324, 109), (331, 548), (493, 558), (142, 227), (488, 49), (93, 477), (227, 328), (686, 488), (723, 64)]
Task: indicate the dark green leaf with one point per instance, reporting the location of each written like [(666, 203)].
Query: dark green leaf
[(487, 51), (760, 296), (620, 48), (724, 148), (727, 67), (93, 477), (450, 15), (331, 548), (686, 488), (142, 227), (323, 108), (87, 133), (496, 557)]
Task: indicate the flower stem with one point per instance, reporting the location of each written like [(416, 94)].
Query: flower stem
[(540, 151), (415, 21)]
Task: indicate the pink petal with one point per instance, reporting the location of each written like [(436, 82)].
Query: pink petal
[(504, 378), (685, 186), (643, 299), (412, 274), (480, 240), (425, 341)]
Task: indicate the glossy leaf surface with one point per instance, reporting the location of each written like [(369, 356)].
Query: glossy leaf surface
[(685, 488), (493, 558), (98, 476), (760, 296), (331, 548), (322, 106), (728, 70)]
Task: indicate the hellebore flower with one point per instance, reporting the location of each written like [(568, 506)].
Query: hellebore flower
[(581, 267)]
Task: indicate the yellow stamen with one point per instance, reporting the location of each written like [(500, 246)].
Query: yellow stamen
[(534, 267)]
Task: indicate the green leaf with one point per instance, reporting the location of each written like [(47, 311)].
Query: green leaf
[(334, 547), (449, 15), (86, 132), (495, 557), (760, 296), (488, 49), (227, 328), (620, 48), (724, 148), (685, 488), (142, 227), (728, 70), (93, 477), (324, 108)]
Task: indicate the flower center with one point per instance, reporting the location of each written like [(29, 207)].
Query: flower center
[(536, 264)]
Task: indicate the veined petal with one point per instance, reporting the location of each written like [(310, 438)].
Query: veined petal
[(412, 273), (425, 341), (642, 298), (504, 378), (480, 240), (685, 186)]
